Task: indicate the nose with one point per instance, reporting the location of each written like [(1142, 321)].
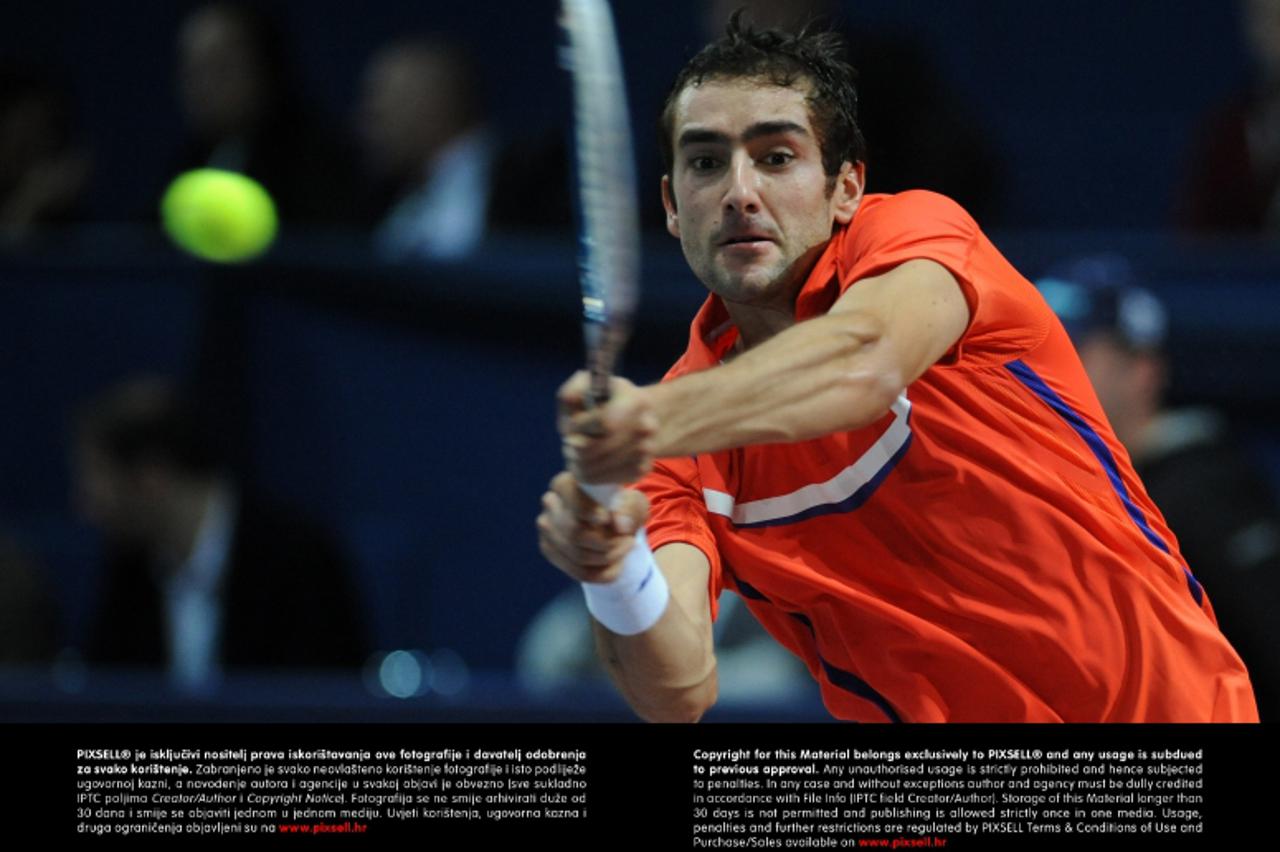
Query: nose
[(742, 194)]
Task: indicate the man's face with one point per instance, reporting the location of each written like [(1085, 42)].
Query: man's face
[(748, 196)]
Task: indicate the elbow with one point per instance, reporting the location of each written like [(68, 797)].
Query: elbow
[(683, 707), (868, 380), (865, 385), (866, 393)]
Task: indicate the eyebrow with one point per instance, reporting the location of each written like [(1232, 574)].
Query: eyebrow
[(697, 136)]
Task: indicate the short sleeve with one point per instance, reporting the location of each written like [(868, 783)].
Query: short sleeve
[(677, 513), (1007, 317)]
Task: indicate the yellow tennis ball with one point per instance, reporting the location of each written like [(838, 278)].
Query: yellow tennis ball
[(219, 215)]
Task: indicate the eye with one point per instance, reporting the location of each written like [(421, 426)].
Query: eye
[(778, 159), (703, 163)]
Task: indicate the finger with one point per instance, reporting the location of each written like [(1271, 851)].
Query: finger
[(578, 502), (594, 535), (620, 550), (554, 509), (619, 471), (594, 554), (613, 450), (564, 486), (554, 552), (619, 464), (584, 566), (630, 511), (610, 422), (585, 425), (589, 524), (629, 411), (572, 395)]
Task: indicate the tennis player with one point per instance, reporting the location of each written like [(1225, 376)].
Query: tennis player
[(880, 437)]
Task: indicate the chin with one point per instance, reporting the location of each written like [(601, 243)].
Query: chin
[(751, 285)]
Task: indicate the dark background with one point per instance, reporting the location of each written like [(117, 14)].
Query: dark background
[(1091, 104)]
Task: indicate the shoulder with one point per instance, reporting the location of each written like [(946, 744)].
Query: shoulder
[(890, 229), (1007, 316), (913, 210)]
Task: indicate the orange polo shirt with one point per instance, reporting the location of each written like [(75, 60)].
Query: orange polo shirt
[(985, 551)]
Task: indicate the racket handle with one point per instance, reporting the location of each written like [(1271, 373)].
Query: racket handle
[(602, 494)]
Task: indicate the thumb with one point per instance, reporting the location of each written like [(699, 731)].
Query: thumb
[(571, 399), (572, 395), (630, 510)]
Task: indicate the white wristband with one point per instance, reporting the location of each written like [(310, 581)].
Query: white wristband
[(636, 600)]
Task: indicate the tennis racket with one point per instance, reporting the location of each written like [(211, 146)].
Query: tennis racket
[(609, 258)]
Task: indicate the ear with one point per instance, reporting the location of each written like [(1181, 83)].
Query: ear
[(669, 204), (847, 194)]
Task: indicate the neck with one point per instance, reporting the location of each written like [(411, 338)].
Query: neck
[(756, 325)]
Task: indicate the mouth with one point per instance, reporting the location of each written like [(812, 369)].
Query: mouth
[(751, 239)]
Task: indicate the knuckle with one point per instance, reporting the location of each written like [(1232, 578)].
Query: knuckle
[(549, 554), (608, 574)]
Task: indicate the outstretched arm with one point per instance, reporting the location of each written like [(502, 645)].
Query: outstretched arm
[(667, 673), (833, 373)]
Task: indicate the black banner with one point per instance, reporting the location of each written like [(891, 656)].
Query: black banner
[(660, 787)]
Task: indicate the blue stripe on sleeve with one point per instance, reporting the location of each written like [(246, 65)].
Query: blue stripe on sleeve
[(1028, 377), (846, 680), (1101, 451)]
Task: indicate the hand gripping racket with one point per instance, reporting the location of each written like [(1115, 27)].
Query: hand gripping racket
[(609, 265)]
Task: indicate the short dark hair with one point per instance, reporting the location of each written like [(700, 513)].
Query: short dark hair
[(782, 59), (149, 420)]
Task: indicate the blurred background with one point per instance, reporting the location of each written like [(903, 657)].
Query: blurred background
[(305, 486)]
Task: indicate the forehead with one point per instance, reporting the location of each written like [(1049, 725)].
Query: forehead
[(731, 106)]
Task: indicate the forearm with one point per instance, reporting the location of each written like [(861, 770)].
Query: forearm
[(665, 674), (821, 376), (668, 672)]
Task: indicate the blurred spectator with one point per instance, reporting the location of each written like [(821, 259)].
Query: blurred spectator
[(557, 651), (1234, 179), (1212, 495), (28, 625), (443, 176), (43, 169), (245, 113), (199, 575), (919, 134)]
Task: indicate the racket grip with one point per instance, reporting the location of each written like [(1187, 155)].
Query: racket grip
[(602, 493)]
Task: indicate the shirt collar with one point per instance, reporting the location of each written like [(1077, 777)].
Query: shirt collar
[(712, 334)]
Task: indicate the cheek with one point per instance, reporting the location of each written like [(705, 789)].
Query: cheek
[(809, 216)]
